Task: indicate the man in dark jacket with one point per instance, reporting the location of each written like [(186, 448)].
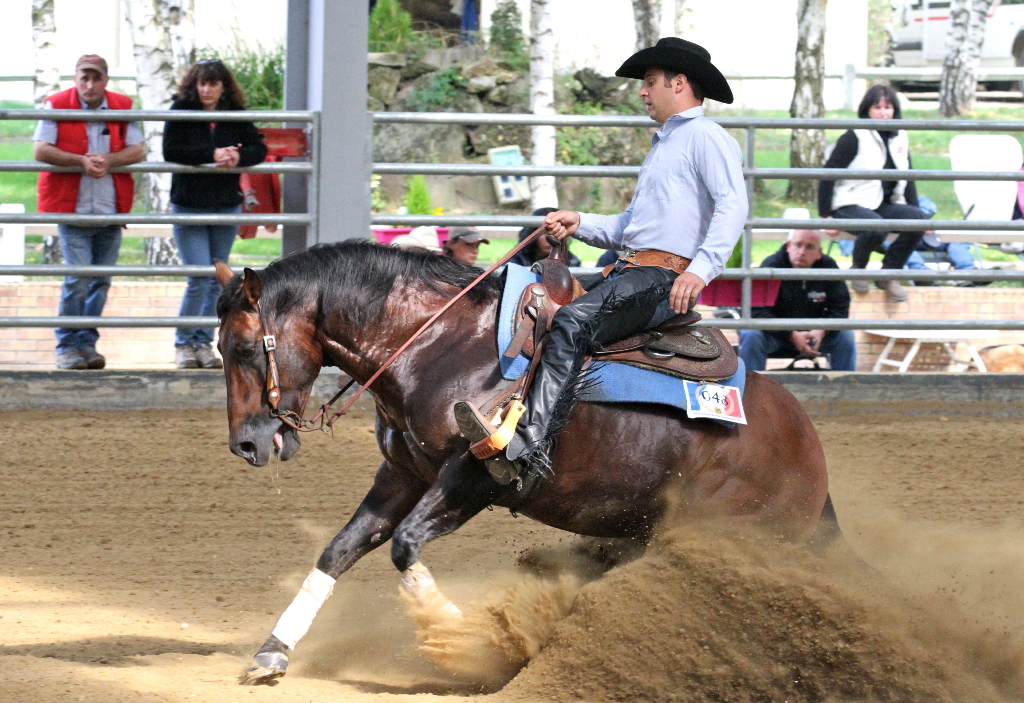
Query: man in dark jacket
[(822, 299)]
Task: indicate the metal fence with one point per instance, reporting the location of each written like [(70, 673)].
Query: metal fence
[(746, 273)]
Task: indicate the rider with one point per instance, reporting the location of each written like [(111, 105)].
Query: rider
[(688, 211)]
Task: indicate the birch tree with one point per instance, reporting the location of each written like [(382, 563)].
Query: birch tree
[(959, 81), (807, 146), (542, 99), (646, 19), (163, 43), (683, 19), (46, 82)]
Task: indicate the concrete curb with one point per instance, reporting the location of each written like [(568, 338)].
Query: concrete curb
[(994, 394), (128, 390)]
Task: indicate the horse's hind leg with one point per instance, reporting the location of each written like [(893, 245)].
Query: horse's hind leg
[(393, 495), (463, 488)]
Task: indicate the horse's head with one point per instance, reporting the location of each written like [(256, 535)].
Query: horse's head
[(247, 316)]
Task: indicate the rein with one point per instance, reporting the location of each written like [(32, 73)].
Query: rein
[(295, 421)]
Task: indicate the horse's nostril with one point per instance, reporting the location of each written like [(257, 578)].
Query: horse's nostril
[(247, 449)]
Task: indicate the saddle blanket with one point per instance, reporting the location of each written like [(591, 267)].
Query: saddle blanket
[(618, 383)]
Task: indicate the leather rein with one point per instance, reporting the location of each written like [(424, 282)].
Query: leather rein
[(296, 421)]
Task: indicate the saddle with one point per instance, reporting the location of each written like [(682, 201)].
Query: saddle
[(677, 347)]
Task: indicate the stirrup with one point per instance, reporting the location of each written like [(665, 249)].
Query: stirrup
[(487, 436)]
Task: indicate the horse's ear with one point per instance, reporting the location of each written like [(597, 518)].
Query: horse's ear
[(224, 273), (252, 287)]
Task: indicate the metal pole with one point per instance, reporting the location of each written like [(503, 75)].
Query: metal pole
[(748, 235), (313, 185), (296, 93)]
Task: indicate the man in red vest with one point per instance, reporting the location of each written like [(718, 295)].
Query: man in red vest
[(94, 147)]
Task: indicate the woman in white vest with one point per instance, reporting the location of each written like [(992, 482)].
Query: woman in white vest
[(871, 150)]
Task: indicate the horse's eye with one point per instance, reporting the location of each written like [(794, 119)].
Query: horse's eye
[(245, 352)]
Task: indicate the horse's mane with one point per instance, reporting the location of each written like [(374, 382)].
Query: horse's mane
[(366, 272)]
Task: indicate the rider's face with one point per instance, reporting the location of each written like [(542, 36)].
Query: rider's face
[(659, 97)]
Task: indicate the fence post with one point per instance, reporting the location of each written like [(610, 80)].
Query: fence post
[(748, 235), (849, 76)]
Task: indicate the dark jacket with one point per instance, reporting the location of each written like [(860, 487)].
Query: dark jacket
[(193, 143), (805, 298)]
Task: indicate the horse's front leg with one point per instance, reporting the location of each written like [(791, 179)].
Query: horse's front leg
[(395, 492), (463, 488)]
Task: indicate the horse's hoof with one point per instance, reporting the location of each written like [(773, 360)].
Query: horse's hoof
[(266, 668)]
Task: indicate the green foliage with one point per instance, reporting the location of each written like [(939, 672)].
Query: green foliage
[(443, 88), (417, 198), (880, 18), (390, 27), (378, 201), (507, 35), (259, 70)]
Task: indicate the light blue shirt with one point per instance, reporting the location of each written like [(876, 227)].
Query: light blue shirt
[(96, 196), (690, 198)]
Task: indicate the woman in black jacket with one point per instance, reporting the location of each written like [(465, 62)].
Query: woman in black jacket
[(209, 85), (539, 248)]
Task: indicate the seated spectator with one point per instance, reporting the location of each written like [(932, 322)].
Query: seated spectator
[(869, 149), (818, 299), (539, 248), (463, 244), (95, 147)]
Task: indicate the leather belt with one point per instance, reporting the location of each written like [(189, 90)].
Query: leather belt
[(649, 257)]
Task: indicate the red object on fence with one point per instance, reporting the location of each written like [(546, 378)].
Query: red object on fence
[(261, 192), (728, 294)]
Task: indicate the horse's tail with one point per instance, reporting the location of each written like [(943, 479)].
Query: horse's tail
[(827, 533)]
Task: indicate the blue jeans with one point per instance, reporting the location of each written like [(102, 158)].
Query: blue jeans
[(201, 245), (839, 345), (82, 295), (959, 253)]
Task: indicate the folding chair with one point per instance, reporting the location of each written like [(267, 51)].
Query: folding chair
[(987, 200)]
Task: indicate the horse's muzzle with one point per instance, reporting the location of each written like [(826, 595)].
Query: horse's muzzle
[(257, 444)]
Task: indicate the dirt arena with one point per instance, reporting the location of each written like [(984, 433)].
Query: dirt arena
[(140, 561)]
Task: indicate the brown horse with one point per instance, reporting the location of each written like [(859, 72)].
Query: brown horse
[(614, 470)]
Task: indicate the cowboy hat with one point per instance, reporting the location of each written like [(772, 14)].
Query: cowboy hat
[(675, 54)]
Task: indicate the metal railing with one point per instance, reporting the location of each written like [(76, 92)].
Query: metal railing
[(746, 274)]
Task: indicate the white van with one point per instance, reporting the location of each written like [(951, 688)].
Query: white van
[(921, 41)]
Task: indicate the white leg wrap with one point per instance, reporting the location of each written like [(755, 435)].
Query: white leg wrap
[(419, 583), (295, 621)]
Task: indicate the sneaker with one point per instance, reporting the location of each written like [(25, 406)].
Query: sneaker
[(93, 359), (70, 360), (206, 358), (860, 286), (185, 357), (894, 292)]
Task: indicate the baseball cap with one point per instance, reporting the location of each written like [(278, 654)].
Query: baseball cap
[(93, 61), (470, 235)]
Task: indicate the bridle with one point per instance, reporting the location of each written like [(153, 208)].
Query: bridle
[(320, 420)]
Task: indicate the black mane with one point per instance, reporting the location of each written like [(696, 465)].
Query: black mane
[(364, 270)]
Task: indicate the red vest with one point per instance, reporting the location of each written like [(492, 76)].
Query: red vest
[(58, 192)]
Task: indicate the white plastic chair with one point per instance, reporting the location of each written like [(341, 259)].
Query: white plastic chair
[(986, 200)]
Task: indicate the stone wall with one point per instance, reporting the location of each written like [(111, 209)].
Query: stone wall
[(26, 348)]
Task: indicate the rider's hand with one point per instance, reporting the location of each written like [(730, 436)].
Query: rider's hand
[(685, 292), (562, 224)]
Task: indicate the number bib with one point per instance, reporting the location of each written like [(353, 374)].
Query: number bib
[(714, 401)]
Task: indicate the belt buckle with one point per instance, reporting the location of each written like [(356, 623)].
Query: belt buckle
[(628, 253)]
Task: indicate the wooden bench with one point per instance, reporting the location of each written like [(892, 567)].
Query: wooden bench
[(948, 338)]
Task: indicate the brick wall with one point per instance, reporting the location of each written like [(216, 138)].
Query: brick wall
[(122, 347), (155, 347)]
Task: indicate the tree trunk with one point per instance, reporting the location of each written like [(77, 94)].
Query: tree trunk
[(807, 146), (646, 18), (163, 43), (542, 99), (46, 82), (683, 23), (959, 80)]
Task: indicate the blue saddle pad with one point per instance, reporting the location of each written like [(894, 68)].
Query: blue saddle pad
[(610, 383)]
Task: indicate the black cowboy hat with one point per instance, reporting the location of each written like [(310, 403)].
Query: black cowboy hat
[(675, 54)]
